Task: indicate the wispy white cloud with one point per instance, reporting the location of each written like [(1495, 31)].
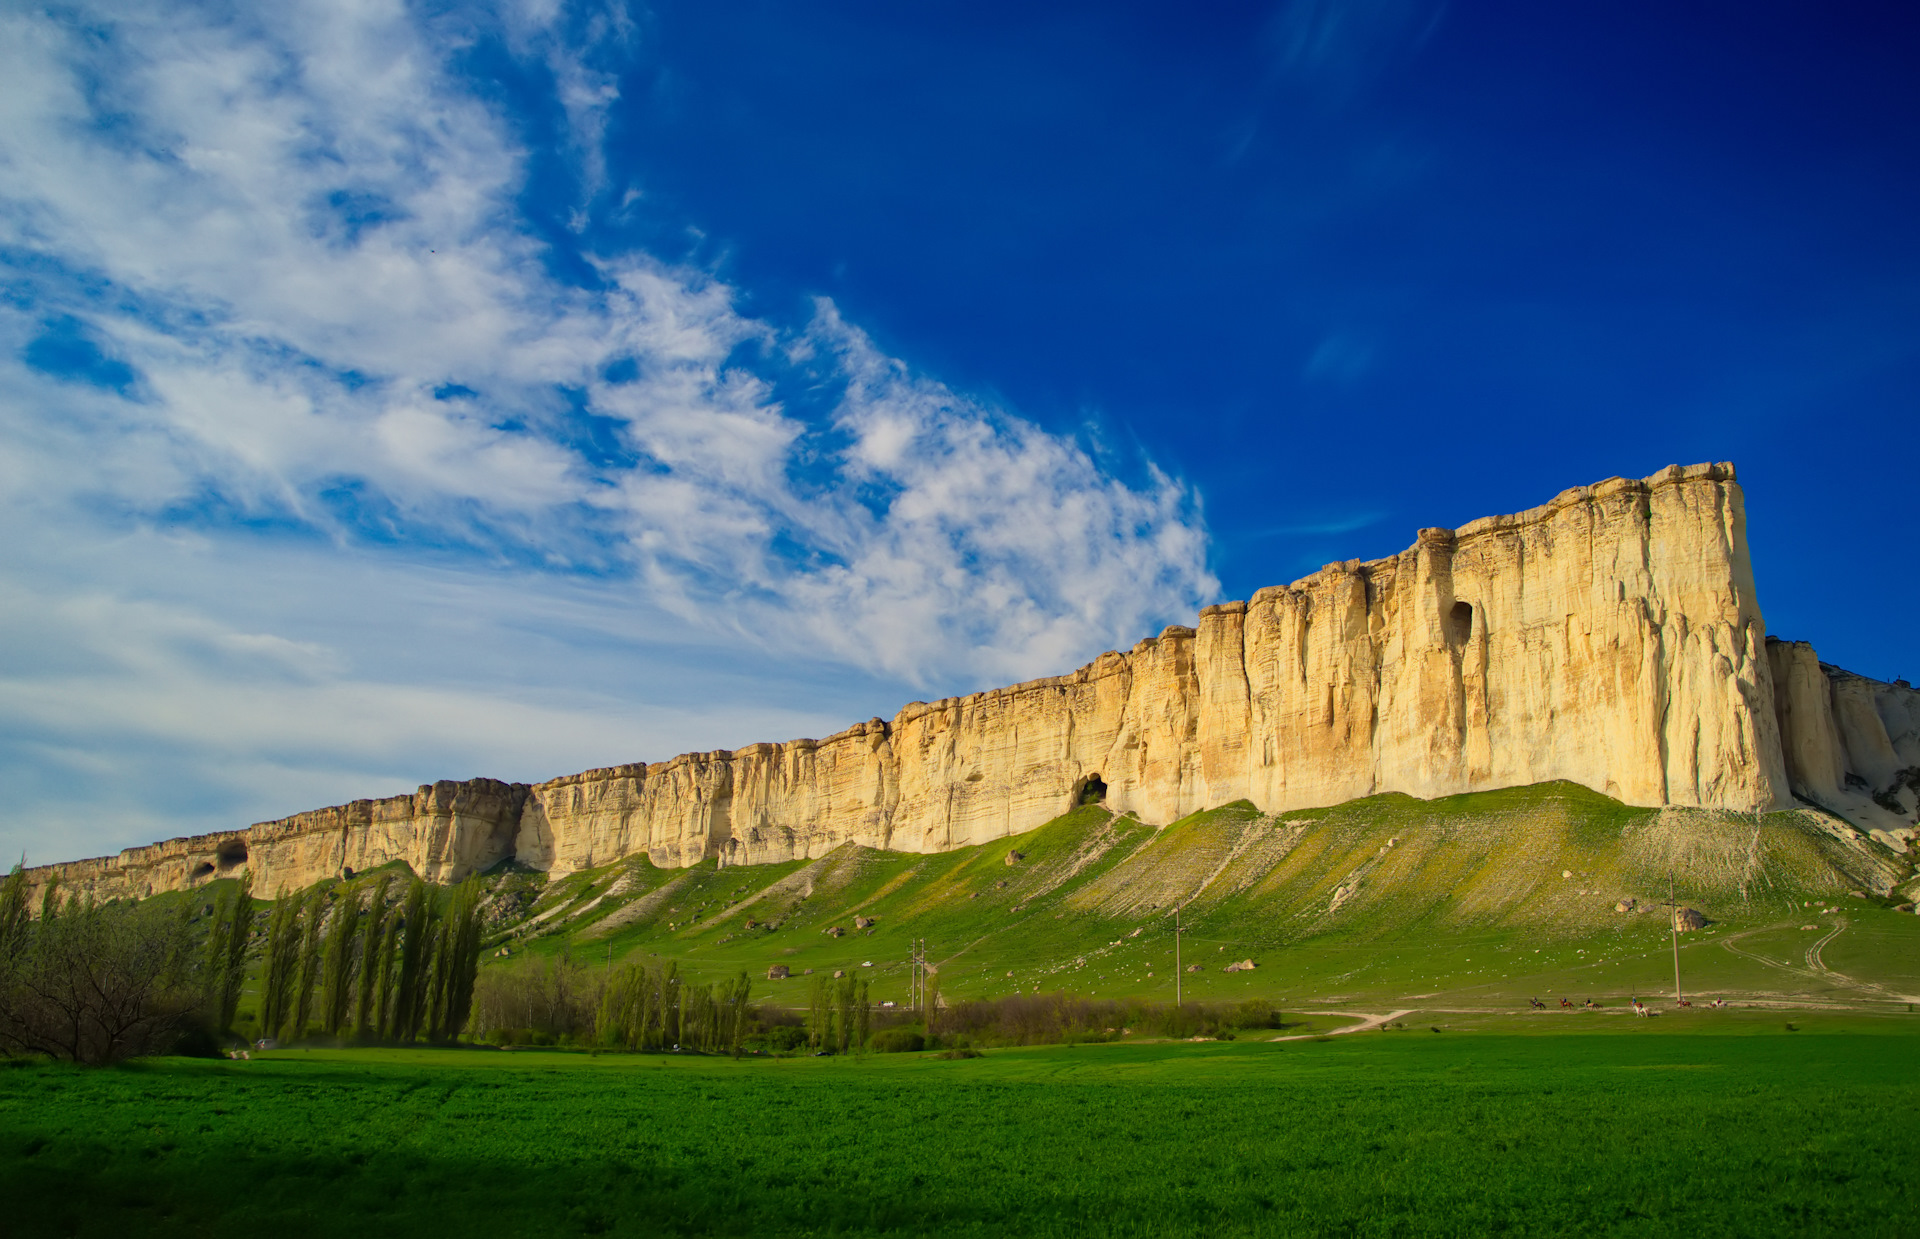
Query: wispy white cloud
[(293, 237)]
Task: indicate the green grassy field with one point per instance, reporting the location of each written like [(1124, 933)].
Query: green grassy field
[(1707, 1123)]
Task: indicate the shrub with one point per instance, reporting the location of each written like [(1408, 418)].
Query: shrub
[(898, 1041), (95, 983)]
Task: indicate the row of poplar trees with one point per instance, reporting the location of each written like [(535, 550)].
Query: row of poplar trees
[(652, 1008), (365, 969), (839, 1014)]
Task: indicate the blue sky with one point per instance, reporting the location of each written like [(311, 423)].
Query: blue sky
[(397, 392)]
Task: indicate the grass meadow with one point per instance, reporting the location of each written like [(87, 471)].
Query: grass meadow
[(1701, 1123)]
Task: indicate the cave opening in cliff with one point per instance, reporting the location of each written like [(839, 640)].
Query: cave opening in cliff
[(1460, 623), (1093, 791), (232, 854)]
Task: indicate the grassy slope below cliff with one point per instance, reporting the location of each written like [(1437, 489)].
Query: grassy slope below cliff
[(1483, 898)]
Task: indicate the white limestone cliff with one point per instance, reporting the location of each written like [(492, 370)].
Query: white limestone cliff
[(1610, 637)]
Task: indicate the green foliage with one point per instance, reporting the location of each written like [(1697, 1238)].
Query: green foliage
[(374, 949), (652, 1008), (898, 1041), (307, 977), (337, 964), (458, 963), (282, 964), (228, 936), (383, 990), (92, 983), (14, 918), (415, 967)]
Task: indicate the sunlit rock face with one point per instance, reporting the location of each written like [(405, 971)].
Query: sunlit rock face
[(1610, 637)]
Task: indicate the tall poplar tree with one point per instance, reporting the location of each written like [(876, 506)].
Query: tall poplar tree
[(307, 977), (337, 964), (282, 961), (458, 962), (415, 960), (383, 988), (372, 939), (226, 963)]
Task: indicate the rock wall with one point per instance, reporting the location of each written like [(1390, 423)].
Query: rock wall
[(1851, 744), (443, 832), (1610, 637)]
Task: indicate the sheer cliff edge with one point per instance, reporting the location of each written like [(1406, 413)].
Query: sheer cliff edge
[(1610, 637)]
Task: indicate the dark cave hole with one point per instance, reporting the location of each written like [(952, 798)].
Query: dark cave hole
[(1460, 623)]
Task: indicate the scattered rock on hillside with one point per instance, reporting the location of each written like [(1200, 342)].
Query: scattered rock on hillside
[(838, 973), (1687, 918), (1014, 858), (835, 931), (1245, 965), (865, 922), (1196, 967), (778, 973), (1626, 905)]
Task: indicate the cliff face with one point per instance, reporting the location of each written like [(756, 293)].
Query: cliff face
[(1610, 637), (443, 832), (1851, 744)]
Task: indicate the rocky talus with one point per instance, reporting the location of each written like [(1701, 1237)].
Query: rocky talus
[(1610, 637)]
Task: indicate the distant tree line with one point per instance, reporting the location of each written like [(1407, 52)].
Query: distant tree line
[(839, 1014), (94, 983), (556, 1000), (652, 1007), (1044, 1019)]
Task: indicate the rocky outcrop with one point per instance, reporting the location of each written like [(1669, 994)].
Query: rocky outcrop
[(1610, 637), (1851, 744), (443, 832)]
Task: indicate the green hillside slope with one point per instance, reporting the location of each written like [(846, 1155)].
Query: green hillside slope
[(1478, 899)]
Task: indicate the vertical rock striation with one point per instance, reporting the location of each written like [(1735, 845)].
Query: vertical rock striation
[(1610, 637)]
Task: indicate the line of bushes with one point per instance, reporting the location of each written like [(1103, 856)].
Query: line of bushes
[(1063, 1018)]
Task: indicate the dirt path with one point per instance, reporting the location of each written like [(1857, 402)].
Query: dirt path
[(1366, 1022), (1816, 969)]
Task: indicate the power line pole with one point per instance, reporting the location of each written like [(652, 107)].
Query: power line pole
[(1176, 954), (1673, 930)]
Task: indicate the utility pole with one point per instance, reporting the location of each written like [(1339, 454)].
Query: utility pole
[(1673, 930), (1176, 954)]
